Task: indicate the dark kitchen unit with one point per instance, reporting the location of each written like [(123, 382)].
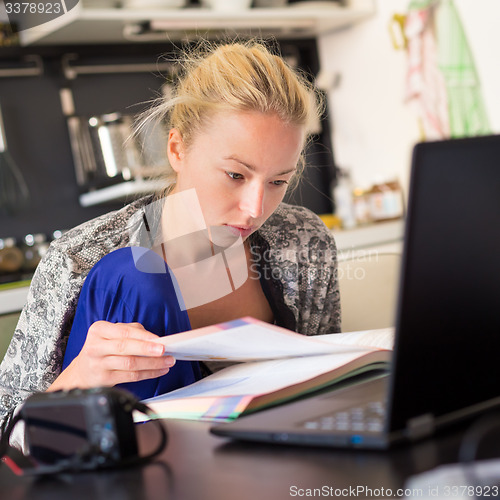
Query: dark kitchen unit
[(39, 139)]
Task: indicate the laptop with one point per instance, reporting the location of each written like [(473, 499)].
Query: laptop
[(445, 364)]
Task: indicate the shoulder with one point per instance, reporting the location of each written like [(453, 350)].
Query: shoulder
[(127, 266), (129, 282), (87, 243), (60, 275), (296, 225), (296, 219)]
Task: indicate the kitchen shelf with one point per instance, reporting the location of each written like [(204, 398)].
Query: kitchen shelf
[(85, 24), (119, 192)]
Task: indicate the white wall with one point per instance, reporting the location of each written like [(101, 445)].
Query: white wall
[(374, 129), (480, 19)]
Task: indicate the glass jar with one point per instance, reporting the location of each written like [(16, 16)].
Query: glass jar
[(386, 201), (34, 248), (11, 257)]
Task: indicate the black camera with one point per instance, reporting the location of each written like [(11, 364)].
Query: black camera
[(94, 425), (82, 429)]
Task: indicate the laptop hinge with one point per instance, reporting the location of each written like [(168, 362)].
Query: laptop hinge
[(420, 426)]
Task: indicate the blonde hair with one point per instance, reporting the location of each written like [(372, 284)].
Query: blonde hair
[(241, 76)]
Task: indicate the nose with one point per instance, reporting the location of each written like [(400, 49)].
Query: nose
[(252, 201)]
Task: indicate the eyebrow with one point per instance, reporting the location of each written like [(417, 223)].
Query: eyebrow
[(252, 168)]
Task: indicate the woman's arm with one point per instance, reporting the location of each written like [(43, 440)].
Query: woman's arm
[(115, 353), (114, 339), (34, 357)]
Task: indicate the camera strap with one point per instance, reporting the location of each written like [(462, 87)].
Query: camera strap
[(85, 460)]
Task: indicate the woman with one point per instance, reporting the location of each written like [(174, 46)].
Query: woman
[(238, 125)]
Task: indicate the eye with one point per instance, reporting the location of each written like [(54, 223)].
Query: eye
[(235, 176), (279, 183)]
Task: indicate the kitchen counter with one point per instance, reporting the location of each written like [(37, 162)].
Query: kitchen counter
[(381, 236)]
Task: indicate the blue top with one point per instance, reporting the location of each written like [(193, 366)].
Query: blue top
[(133, 285)]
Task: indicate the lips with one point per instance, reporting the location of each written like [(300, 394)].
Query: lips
[(243, 231)]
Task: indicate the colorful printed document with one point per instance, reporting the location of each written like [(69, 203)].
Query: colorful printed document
[(285, 365)]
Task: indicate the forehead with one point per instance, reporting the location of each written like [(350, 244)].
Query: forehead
[(236, 125), (263, 143)]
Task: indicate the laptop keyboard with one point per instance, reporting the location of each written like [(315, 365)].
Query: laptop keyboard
[(369, 417)]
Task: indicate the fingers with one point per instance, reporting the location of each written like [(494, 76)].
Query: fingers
[(130, 339), (137, 363), (132, 347), (124, 369), (123, 377), (110, 331), (86, 372), (115, 353)]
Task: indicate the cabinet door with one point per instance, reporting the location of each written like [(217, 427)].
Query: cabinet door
[(8, 323)]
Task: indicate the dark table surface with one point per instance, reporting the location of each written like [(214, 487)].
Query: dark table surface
[(197, 465)]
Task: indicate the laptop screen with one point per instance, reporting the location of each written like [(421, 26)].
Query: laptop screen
[(447, 353)]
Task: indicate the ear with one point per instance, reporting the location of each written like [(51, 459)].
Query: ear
[(175, 150)]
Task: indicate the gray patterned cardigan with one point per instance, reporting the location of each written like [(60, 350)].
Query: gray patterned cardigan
[(295, 253)]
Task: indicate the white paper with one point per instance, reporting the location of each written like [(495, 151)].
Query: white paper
[(262, 377), (248, 343), (383, 338)]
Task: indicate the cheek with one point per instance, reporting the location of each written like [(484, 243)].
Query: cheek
[(273, 199), (214, 200)]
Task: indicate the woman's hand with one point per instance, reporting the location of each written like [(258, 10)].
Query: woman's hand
[(115, 353)]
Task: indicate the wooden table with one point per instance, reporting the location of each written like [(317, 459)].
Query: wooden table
[(198, 466)]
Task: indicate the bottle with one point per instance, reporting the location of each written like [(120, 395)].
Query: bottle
[(342, 196), (11, 257), (361, 201)]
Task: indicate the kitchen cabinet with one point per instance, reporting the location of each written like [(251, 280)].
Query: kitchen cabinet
[(8, 324), (85, 23), (12, 299)]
